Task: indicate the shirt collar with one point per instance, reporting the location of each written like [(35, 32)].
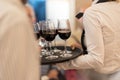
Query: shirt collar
[(94, 2)]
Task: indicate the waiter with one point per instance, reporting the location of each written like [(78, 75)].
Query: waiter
[(19, 56), (101, 23)]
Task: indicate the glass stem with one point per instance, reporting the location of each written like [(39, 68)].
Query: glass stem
[(47, 45), (55, 43), (65, 46), (50, 45)]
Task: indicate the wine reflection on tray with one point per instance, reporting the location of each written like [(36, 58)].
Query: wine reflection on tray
[(59, 52), (75, 53)]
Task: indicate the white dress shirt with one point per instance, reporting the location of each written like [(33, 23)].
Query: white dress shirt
[(102, 26), (19, 54)]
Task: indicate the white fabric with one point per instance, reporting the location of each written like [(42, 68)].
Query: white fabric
[(93, 75), (115, 76), (102, 26), (19, 54), (44, 78)]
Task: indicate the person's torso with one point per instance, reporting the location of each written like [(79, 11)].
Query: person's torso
[(16, 49), (109, 17)]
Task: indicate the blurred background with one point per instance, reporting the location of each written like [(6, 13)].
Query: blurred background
[(59, 9)]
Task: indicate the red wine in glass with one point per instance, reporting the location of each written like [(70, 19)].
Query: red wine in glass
[(50, 36), (37, 35), (64, 33), (41, 33)]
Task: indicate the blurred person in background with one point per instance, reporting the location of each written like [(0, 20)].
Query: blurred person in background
[(30, 13), (101, 24), (53, 74), (19, 53)]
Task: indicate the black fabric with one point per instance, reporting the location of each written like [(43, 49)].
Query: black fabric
[(79, 15), (83, 43), (101, 1)]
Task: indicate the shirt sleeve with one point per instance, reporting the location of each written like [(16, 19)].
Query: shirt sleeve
[(95, 46)]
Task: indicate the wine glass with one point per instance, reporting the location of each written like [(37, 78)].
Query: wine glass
[(64, 32), (42, 40), (49, 33), (36, 30), (55, 23)]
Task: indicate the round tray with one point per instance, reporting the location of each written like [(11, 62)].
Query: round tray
[(75, 53)]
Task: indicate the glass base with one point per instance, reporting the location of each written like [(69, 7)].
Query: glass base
[(66, 55), (56, 50), (43, 52), (51, 57), (63, 52), (42, 42)]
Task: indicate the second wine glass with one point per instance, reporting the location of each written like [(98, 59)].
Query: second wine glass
[(49, 33), (64, 33)]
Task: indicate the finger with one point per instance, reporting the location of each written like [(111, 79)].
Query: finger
[(73, 47)]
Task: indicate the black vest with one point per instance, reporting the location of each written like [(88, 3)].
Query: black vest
[(83, 33)]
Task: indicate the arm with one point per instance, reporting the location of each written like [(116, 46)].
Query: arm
[(95, 45)]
